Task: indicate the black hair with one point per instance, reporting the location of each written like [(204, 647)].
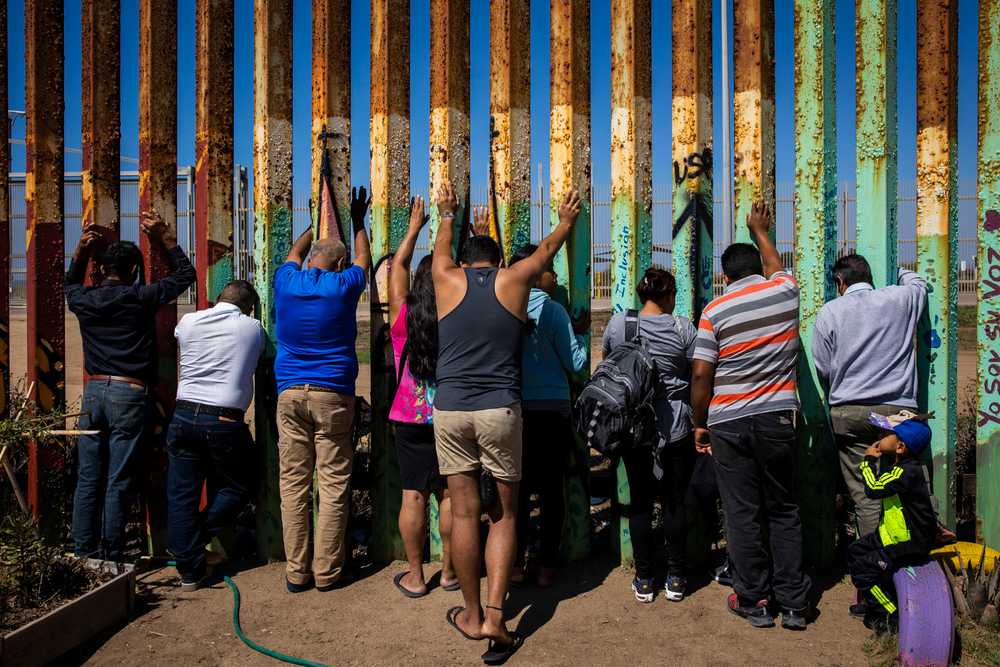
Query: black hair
[(656, 284), (741, 260), (852, 269), (421, 323), (524, 252), (480, 249), (122, 258), (240, 293)]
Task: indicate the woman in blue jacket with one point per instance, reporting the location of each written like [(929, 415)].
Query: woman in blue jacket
[(553, 349)]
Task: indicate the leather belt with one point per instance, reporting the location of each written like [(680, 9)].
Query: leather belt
[(116, 378), (215, 410), (314, 387)]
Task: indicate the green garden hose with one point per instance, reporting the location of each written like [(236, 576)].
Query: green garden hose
[(255, 646)]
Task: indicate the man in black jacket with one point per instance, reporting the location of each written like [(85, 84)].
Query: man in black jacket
[(907, 524), (117, 319)]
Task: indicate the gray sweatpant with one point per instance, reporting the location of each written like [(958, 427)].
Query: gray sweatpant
[(854, 434)]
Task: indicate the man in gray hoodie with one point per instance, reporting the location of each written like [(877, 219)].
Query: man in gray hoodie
[(863, 348)]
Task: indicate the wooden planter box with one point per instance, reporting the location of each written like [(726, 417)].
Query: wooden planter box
[(63, 629)]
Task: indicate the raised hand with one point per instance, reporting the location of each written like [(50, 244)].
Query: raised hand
[(360, 201), (447, 202), (417, 216), (89, 237), (569, 209), (480, 221), (760, 219), (153, 226)]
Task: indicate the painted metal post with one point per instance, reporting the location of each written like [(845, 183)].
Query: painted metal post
[(569, 169), (815, 253), (937, 235), (158, 192), (875, 104), (510, 122), (753, 105), (988, 263), (449, 132), (331, 106), (631, 149), (272, 236), (692, 248), (101, 127), (43, 195), (213, 209), (390, 179), (4, 227)]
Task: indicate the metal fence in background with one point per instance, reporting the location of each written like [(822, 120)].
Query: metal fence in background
[(600, 223)]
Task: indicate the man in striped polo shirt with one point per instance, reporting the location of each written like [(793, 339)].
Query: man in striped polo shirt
[(744, 403)]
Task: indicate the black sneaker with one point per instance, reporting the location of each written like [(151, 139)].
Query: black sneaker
[(299, 588), (724, 574), (643, 589), (858, 609), (757, 615), (881, 623), (675, 587), (793, 619)]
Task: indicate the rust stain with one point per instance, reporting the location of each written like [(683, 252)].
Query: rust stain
[(449, 93)]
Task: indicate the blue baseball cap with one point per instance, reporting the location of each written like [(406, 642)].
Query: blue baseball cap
[(911, 428)]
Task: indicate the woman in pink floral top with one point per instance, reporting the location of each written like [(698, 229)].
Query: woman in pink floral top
[(414, 310)]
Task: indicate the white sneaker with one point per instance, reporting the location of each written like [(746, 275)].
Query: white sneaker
[(643, 589)]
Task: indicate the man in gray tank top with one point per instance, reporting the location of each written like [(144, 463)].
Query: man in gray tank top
[(482, 310)]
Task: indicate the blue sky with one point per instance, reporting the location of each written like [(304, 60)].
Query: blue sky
[(600, 86)]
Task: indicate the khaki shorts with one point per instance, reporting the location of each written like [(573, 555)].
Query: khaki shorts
[(487, 438)]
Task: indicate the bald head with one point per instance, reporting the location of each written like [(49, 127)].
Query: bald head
[(328, 255)]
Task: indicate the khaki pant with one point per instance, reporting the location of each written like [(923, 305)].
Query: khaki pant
[(854, 434), (314, 434)]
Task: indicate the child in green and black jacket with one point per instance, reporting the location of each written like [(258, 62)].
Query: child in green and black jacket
[(908, 523)]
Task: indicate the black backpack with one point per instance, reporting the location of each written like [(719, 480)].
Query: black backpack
[(615, 410)]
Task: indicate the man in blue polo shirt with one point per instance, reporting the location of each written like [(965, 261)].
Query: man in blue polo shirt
[(316, 368)]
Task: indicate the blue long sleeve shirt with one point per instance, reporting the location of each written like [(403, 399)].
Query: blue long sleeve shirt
[(863, 344), (551, 351)]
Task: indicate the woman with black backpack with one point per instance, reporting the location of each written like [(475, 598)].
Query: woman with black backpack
[(662, 466)]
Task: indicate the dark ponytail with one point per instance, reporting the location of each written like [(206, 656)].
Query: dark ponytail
[(656, 285), (421, 323)]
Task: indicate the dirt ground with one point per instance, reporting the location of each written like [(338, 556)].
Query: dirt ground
[(589, 617)]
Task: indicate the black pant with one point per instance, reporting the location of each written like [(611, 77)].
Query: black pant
[(547, 442), (215, 452), (755, 464), (871, 571), (643, 488)]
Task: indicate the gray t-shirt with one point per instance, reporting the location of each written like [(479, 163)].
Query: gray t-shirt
[(671, 341)]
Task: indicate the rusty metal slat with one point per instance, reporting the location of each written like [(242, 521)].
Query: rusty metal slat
[(4, 228), (988, 320), (570, 169), (449, 92), (272, 236), (44, 145), (937, 234), (390, 180), (101, 127), (875, 112), (331, 105), (158, 192), (815, 253), (510, 123), (213, 208), (691, 148), (753, 105)]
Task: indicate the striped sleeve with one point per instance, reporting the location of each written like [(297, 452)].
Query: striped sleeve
[(706, 346), (879, 486)]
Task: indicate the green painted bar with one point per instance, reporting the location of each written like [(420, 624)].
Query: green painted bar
[(988, 329), (815, 253), (875, 105), (937, 237)]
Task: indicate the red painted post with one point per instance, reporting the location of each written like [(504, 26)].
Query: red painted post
[(43, 55), (158, 191), (213, 208)]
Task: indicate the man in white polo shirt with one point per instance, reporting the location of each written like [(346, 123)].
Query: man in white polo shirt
[(208, 442)]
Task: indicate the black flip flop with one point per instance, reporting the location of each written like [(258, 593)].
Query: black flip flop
[(498, 654), (452, 587), (398, 580), (450, 615)]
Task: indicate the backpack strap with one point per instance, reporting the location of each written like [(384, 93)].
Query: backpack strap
[(631, 325), (402, 361)]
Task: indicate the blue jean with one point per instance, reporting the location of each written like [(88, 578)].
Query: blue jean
[(106, 465), (215, 452)]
